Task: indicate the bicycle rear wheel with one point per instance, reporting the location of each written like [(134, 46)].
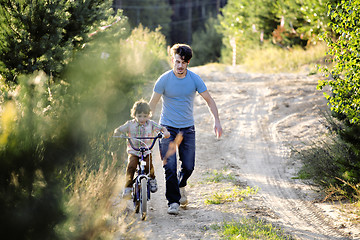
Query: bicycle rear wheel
[(143, 198)]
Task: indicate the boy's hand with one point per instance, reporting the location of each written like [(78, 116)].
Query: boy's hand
[(165, 132), (117, 132)]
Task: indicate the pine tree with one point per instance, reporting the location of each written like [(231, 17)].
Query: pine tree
[(207, 44), (44, 34)]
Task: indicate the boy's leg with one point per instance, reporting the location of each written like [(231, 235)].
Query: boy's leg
[(187, 155), (148, 159), (130, 169), (172, 192), (152, 181)]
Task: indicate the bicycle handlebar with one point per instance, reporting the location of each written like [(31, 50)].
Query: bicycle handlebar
[(142, 149)]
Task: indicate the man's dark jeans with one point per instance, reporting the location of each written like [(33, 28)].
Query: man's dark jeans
[(186, 156)]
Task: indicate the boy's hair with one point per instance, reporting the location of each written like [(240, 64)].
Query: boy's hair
[(183, 50), (140, 106)]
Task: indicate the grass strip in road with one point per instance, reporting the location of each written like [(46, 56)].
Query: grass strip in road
[(249, 228), (231, 195), (218, 176)]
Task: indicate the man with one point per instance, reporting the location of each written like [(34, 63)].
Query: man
[(177, 88)]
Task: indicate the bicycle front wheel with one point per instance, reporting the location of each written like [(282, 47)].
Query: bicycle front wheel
[(143, 198)]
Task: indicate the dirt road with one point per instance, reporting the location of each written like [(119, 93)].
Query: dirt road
[(262, 116)]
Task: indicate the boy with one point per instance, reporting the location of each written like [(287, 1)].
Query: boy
[(140, 126)]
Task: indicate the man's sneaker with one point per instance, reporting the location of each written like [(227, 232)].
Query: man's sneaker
[(173, 209), (127, 193), (183, 200), (153, 185)]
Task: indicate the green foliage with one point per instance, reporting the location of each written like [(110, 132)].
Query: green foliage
[(285, 23), (44, 35), (51, 130), (110, 76), (335, 163), (237, 18), (34, 147), (304, 20), (207, 44), (111, 72), (315, 18), (345, 49), (236, 23)]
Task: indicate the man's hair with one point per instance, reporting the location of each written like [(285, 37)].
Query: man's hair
[(140, 106), (183, 50)]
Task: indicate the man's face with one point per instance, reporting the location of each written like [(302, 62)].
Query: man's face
[(180, 65)]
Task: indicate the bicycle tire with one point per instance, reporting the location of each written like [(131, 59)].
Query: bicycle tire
[(143, 198)]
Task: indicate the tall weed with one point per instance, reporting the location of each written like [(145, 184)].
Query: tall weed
[(272, 59)]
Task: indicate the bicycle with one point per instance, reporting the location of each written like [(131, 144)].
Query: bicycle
[(141, 186)]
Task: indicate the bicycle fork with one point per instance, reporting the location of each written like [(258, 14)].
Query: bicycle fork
[(137, 185)]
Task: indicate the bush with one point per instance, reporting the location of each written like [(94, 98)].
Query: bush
[(344, 47), (33, 153), (335, 161)]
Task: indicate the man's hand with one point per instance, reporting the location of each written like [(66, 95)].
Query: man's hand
[(218, 130)]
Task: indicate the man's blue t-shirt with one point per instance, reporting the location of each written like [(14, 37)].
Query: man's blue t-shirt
[(178, 98)]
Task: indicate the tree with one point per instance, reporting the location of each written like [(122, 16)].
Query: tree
[(239, 21), (179, 19), (207, 44), (45, 34), (149, 13), (314, 14), (306, 19)]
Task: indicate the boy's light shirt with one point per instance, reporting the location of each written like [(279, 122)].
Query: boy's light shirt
[(133, 129)]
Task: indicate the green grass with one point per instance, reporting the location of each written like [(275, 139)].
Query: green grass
[(231, 195), (250, 229), (216, 177)]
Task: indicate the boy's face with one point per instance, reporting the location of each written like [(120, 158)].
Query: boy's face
[(141, 118)]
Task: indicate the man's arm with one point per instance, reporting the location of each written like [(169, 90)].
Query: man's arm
[(214, 112), (153, 101)]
